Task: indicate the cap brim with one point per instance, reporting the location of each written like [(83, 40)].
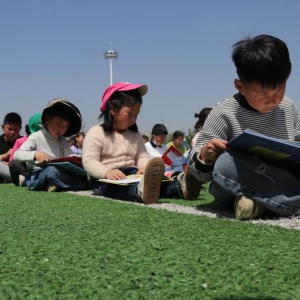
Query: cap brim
[(141, 88)]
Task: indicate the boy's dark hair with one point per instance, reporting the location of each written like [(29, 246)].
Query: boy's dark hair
[(13, 117), (65, 110), (263, 59), (145, 137), (159, 129), (178, 134), (60, 112), (201, 117), (119, 100)]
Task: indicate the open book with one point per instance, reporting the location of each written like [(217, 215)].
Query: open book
[(134, 178), (170, 154), (72, 164), (283, 152)]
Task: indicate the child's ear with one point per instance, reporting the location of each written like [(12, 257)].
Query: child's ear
[(47, 119), (238, 85), (2, 126), (112, 110)]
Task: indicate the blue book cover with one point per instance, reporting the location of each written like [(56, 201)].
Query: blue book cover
[(282, 152)]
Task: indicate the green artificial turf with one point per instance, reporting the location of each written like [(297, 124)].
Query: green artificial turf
[(64, 246)]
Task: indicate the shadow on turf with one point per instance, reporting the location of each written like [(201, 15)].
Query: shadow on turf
[(214, 208)]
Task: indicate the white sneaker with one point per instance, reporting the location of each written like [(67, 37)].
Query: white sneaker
[(22, 180)]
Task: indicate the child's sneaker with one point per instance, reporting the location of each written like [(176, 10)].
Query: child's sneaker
[(243, 207), (149, 186), (22, 180), (258, 210), (189, 184), (246, 208), (51, 187)]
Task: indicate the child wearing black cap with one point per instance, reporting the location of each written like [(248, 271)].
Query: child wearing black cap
[(60, 119)]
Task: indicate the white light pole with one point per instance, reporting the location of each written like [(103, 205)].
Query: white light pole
[(110, 54)]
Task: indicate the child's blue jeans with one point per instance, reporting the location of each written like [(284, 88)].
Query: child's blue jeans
[(238, 173), (168, 189), (38, 179)]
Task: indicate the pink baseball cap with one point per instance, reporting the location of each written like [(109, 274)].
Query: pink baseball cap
[(121, 86)]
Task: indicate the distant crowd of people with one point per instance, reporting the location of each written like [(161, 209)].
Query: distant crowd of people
[(114, 148)]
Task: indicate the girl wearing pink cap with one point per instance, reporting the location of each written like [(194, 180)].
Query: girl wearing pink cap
[(114, 149)]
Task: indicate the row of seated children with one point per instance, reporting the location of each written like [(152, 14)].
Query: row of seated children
[(114, 148), (246, 181), (120, 106)]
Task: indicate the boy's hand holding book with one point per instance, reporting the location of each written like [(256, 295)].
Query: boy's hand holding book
[(212, 150), (41, 157)]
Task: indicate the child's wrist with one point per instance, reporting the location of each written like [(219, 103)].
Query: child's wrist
[(202, 159)]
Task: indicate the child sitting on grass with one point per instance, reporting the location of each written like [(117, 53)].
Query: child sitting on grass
[(156, 147), (61, 119), (77, 147), (18, 170), (246, 181), (115, 148), (11, 127)]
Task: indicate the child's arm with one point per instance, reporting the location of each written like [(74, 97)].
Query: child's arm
[(92, 153), (5, 156), (27, 151)]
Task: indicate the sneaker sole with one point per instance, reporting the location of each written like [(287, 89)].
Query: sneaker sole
[(153, 176), (192, 186)]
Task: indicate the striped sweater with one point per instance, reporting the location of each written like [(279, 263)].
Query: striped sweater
[(231, 117)]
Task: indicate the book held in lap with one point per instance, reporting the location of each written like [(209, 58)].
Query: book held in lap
[(281, 152)]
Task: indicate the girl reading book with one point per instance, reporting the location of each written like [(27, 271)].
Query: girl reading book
[(114, 149)]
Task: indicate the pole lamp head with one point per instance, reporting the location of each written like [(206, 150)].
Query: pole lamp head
[(110, 54)]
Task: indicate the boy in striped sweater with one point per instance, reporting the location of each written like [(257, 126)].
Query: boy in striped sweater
[(245, 181)]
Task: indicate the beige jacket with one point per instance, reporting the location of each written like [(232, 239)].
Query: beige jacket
[(103, 151)]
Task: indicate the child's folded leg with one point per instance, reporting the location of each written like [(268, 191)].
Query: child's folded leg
[(46, 179), (241, 174)]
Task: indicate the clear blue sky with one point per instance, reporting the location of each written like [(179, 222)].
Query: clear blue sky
[(180, 49)]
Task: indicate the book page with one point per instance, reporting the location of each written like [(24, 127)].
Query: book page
[(130, 179)]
